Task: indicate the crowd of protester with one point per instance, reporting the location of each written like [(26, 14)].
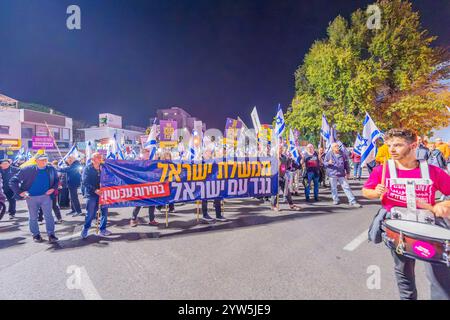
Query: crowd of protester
[(49, 187)]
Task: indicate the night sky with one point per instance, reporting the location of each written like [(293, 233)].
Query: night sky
[(214, 58)]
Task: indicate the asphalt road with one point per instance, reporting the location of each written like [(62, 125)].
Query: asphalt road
[(319, 252)]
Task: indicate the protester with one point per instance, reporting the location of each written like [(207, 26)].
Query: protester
[(357, 169), (436, 158), (7, 172), (151, 216), (207, 156), (55, 207), (444, 148), (338, 169), (64, 198), (91, 181), (151, 209), (322, 171), (167, 156), (311, 163), (422, 151), (402, 144), (73, 171), (283, 164), (36, 183), (382, 153), (2, 199)]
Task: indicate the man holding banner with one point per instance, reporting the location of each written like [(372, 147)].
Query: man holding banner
[(91, 182)]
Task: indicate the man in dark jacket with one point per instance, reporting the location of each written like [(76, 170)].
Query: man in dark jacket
[(422, 151), (7, 172), (2, 200), (436, 158), (35, 184), (73, 171), (91, 182)]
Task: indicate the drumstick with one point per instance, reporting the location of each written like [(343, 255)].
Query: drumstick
[(383, 175)]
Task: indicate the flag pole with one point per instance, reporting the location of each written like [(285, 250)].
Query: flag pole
[(383, 175), (54, 141)]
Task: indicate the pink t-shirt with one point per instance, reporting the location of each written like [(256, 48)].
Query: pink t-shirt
[(396, 194)]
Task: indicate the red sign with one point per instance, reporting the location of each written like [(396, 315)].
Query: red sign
[(131, 192), (42, 143)]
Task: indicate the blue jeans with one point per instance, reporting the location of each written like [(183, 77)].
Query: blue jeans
[(44, 202), (312, 176), (345, 186), (92, 208), (357, 169)]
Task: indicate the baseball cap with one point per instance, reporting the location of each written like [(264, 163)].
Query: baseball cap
[(41, 156)]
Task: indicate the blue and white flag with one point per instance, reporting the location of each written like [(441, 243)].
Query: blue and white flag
[(72, 152), (280, 124), (20, 155), (359, 144), (88, 152), (334, 139), (29, 155), (292, 147), (325, 131), (151, 141), (117, 149), (369, 136), (192, 151)]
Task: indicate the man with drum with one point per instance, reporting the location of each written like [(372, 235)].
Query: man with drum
[(402, 144)]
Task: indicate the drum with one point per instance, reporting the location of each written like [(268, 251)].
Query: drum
[(417, 240)]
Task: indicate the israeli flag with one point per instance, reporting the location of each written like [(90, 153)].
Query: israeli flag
[(72, 152), (29, 155), (88, 152), (359, 144), (280, 124), (20, 155), (151, 141), (292, 147), (369, 135), (192, 152), (117, 150), (325, 131), (334, 139)]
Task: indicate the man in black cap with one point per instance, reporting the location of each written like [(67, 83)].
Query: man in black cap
[(7, 172), (36, 184)]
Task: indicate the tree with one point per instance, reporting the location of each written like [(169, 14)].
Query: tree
[(393, 73)]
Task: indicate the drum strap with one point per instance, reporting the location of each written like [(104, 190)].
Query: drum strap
[(410, 183)]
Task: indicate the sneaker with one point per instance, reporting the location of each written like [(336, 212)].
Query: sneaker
[(316, 199), (153, 223), (84, 233), (335, 203), (133, 223), (52, 238), (275, 208), (60, 221), (76, 214), (171, 209), (105, 233), (207, 218), (37, 238), (11, 216), (221, 218), (41, 222), (355, 204)]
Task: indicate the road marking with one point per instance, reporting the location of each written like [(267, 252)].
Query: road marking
[(80, 280), (355, 243)]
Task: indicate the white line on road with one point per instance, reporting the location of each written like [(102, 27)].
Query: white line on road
[(80, 280), (355, 243)]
